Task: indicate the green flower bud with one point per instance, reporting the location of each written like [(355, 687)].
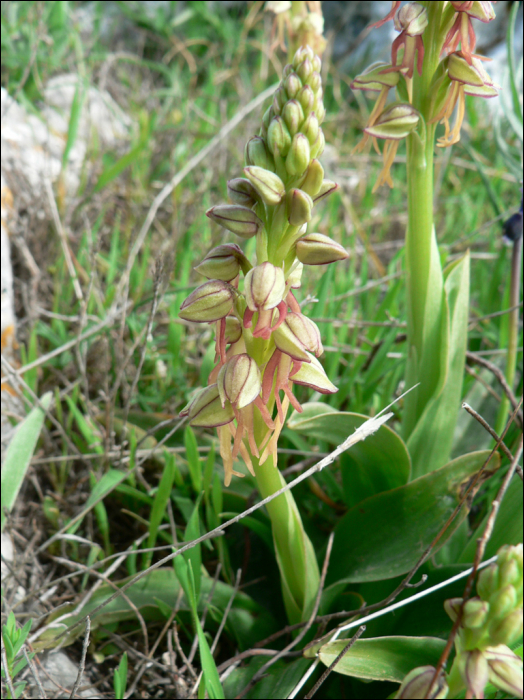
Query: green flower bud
[(509, 573), (327, 188), (267, 184), (412, 19), (264, 287), (293, 115), (278, 137), (306, 97), (312, 374), (304, 70), (288, 343), (310, 128), (288, 68), (320, 111), (315, 82), (299, 155), (257, 154), (317, 149), (316, 63), (395, 122), (223, 263), (480, 10), (475, 672), (266, 119), (416, 684), (475, 613), (301, 54), (279, 99), (317, 249), (313, 178), (506, 630), (242, 192), (306, 331), (210, 302), (239, 381), (452, 607), (205, 410), (503, 602), (374, 78), (292, 85), (233, 330), (488, 581), (236, 218), (299, 206), (505, 670)]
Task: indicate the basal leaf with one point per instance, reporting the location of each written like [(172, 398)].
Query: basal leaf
[(383, 658), (385, 535), (380, 463)]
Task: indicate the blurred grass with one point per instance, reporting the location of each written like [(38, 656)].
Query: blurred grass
[(180, 73)]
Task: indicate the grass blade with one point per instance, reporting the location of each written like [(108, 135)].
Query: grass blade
[(19, 453)]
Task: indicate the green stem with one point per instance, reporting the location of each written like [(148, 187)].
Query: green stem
[(424, 272), (513, 331), (295, 554)]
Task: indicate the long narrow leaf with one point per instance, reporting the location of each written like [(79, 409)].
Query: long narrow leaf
[(19, 453)]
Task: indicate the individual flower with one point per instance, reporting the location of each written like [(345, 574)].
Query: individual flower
[(462, 79), (206, 410), (376, 78), (394, 124), (224, 263), (462, 30), (317, 249), (410, 21), (236, 218)]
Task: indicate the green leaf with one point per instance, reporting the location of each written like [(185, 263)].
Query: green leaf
[(19, 453), (120, 678), (162, 497), (247, 619), (194, 555), (430, 442), (107, 483), (385, 535), (383, 658), (508, 525), (380, 463), (211, 679), (277, 682)]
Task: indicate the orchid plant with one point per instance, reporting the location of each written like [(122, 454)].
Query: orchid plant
[(433, 68), (264, 343)]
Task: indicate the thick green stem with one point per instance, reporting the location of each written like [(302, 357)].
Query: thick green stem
[(295, 554), (513, 331), (424, 271)]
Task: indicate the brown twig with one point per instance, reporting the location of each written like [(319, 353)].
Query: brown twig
[(493, 434), (328, 670), (476, 359), (34, 672), (82, 666)]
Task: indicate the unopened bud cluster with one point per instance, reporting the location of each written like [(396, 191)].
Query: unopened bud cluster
[(490, 622), (263, 341)]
